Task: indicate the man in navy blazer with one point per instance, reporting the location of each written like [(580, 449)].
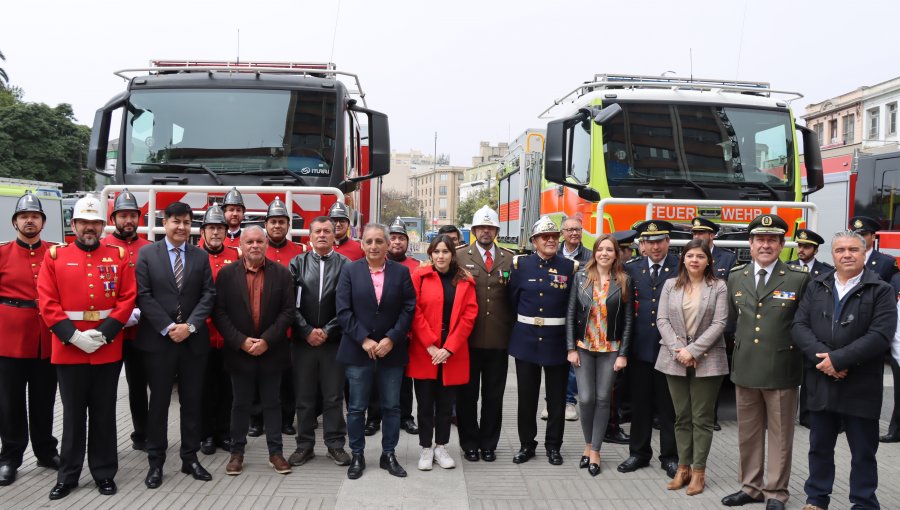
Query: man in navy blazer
[(375, 306), (175, 294)]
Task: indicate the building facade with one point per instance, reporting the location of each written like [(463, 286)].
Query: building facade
[(437, 188)]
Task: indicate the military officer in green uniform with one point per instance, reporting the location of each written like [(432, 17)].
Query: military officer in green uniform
[(766, 366)]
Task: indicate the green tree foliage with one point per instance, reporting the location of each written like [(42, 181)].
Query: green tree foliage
[(42, 143), (475, 201), (395, 203), (4, 78)]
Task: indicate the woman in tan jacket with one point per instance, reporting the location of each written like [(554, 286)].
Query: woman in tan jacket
[(693, 309)]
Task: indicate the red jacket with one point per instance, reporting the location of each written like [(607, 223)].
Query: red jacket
[(349, 248), (132, 246), (75, 280), (426, 328), (24, 334), (216, 262), (285, 253)]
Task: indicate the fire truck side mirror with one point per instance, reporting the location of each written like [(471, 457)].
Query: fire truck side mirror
[(589, 194), (812, 157), (100, 134), (379, 143), (556, 160)]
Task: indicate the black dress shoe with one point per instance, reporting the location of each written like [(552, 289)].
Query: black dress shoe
[(7, 474), (62, 490), (471, 455), (208, 446), (488, 455), (739, 498), (49, 462), (389, 462), (224, 444), (716, 426), (288, 430), (372, 427), (255, 430), (554, 457), (107, 487), (523, 455), (357, 466), (670, 467), (632, 464), (594, 469), (584, 462), (154, 478), (889, 438), (409, 425), (774, 504), (196, 470), (617, 437)]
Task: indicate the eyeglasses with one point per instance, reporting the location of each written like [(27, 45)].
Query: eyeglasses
[(572, 230)]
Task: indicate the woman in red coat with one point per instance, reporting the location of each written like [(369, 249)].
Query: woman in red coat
[(439, 350)]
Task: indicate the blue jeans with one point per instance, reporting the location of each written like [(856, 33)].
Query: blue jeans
[(572, 387), (360, 380)]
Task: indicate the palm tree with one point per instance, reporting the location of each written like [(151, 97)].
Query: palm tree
[(4, 78)]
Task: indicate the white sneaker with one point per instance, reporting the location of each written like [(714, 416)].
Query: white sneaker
[(426, 458), (544, 414), (442, 456), (571, 412)]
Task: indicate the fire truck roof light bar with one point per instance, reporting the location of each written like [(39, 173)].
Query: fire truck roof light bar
[(619, 81), (293, 68), (152, 190)]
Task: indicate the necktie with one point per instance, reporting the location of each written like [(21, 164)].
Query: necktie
[(179, 278), (805, 268), (654, 273), (488, 261), (761, 282)]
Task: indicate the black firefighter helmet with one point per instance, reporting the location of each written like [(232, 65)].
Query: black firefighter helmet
[(29, 203), (125, 201), (214, 216)]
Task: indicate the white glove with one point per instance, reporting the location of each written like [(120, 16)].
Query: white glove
[(96, 335), (135, 317), (85, 342)]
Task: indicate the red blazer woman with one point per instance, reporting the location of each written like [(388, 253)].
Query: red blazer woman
[(426, 328)]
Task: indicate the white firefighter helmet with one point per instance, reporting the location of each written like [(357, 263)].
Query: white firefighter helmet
[(87, 208), (485, 217), (544, 226)]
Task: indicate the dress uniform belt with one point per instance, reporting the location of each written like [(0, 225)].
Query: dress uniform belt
[(18, 303), (542, 321), (90, 315)]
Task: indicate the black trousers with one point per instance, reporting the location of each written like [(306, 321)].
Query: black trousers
[(862, 437), (136, 376), (317, 372), (163, 369), (649, 395), (216, 417), (435, 410), (37, 379), (264, 385), (373, 413), (620, 380), (894, 427), (88, 394), (487, 376), (528, 376)]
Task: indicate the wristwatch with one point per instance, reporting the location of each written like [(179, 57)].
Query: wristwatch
[(192, 329)]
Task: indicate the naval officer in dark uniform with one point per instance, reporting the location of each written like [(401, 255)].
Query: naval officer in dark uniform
[(881, 263), (539, 287), (649, 389), (723, 260)]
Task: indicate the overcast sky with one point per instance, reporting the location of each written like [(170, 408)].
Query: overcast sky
[(468, 70)]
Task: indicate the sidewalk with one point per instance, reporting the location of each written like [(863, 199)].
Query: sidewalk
[(478, 485)]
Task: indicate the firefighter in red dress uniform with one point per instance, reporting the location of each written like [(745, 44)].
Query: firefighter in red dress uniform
[(234, 208), (343, 243)]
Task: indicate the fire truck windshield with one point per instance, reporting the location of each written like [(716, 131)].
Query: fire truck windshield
[(709, 145), (231, 130)]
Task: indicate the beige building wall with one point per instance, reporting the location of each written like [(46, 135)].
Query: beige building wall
[(401, 165), (838, 123), (437, 187)]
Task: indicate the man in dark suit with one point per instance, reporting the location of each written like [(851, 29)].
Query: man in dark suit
[(175, 294), (375, 306), (884, 265), (254, 307), (649, 390), (844, 326)]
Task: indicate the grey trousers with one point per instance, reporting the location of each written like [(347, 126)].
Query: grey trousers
[(595, 379)]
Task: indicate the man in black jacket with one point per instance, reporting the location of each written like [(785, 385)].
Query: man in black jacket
[(317, 335), (844, 326)]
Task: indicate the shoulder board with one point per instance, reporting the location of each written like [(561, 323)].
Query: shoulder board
[(575, 268), (504, 251), (122, 251), (4, 243), (516, 260), (53, 250), (795, 269), (738, 267), (633, 259)]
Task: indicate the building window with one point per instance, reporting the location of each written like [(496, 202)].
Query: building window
[(443, 190), (444, 176), (820, 135), (873, 124), (442, 214), (443, 203), (849, 128), (832, 130), (892, 119)]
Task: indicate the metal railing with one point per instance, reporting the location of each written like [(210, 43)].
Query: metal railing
[(151, 229)]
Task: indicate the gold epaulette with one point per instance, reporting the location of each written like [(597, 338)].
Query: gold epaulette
[(738, 267), (516, 261)]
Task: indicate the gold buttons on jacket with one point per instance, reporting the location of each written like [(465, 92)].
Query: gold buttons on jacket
[(757, 328), (756, 340), (758, 316)]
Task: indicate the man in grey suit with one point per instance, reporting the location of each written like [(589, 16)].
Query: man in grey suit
[(175, 294)]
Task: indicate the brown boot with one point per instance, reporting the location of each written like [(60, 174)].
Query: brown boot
[(235, 464), (682, 477), (282, 467), (698, 482)]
